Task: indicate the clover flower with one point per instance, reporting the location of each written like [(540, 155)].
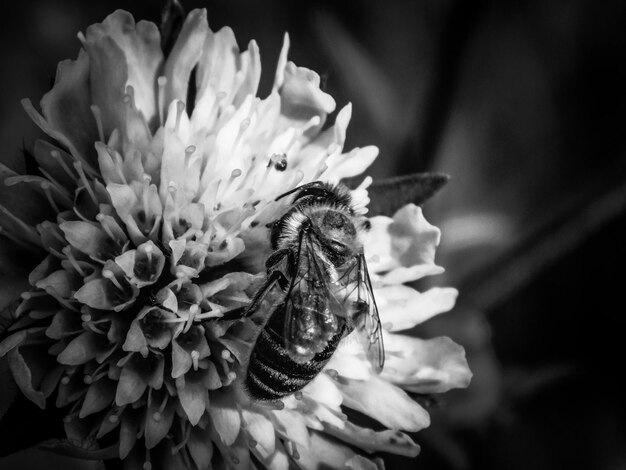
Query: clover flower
[(150, 212)]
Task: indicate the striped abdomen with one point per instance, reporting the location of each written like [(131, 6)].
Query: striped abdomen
[(272, 374)]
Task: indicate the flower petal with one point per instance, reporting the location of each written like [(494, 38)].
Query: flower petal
[(384, 402), (141, 48), (402, 307), (301, 96), (82, 349), (158, 421), (406, 240), (261, 430), (326, 452), (425, 366), (193, 395), (130, 387), (87, 237), (395, 442), (225, 417), (200, 447), (99, 395), (291, 425), (323, 390), (67, 106), (185, 55), (96, 294)]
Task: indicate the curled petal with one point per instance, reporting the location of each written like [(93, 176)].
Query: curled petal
[(67, 106), (159, 419), (261, 430), (291, 426), (185, 55), (99, 395), (141, 49), (384, 402), (402, 307), (323, 390), (200, 447), (88, 238), (349, 365), (395, 442), (425, 366), (301, 96), (226, 419), (326, 452), (82, 349), (404, 241), (193, 395)]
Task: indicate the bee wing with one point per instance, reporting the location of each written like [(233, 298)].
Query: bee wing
[(364, 313), (311, 306)]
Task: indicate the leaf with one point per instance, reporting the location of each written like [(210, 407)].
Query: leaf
[(390, 194), (172, 18), (23, 378)]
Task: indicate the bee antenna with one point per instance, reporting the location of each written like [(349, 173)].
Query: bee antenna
[(300, 188)]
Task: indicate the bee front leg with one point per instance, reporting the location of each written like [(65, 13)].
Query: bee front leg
[(282, 260), (272, 292)]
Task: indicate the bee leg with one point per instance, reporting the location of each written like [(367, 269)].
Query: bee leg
[(276, 283), (282, 260)]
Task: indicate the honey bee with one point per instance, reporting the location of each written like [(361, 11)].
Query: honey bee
[(317, 291)]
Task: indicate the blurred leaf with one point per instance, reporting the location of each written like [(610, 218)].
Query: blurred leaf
[(390, 194), (566, 225)]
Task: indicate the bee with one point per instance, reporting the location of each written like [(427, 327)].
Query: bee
[(317, 291)]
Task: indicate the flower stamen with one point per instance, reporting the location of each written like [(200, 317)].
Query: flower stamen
[(85, 180), (161, 83), (56, 155)]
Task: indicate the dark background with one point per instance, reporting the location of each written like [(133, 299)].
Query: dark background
[(523, 104)]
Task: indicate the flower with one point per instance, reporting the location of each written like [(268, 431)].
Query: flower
[(150, 214)]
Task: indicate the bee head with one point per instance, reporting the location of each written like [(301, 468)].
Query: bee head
[(338, 234)]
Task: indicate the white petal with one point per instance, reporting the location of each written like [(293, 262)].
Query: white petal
[(406, 240), (350, 365), (262, 431), (402, 307), (323, 390), (425, 366), (384, 402), (349, 164), (185, 55), (291, 424)]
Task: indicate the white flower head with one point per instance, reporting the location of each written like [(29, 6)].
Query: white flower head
[(152, 213)]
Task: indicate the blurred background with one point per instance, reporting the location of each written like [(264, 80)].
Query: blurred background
[(523, 104)]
